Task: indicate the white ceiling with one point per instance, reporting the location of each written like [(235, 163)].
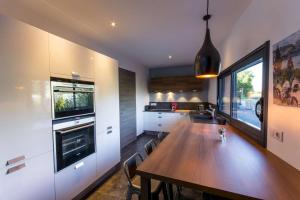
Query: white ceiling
[(147, 30)]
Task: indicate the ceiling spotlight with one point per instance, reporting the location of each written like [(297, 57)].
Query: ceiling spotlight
[(113, 24), (170, 57)]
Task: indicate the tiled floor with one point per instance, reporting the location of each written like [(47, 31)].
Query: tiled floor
[(115, 188)]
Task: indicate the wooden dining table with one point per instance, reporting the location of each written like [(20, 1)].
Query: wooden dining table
[(194, 156)]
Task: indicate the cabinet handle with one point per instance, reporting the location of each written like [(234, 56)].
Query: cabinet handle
[(15, 160), (76, 129), (159, 117), (159, 124), (109, 132), (15, 168), (159, 113), (109, 128), (79, 165)]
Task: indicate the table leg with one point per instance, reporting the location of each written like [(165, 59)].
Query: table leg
[(145, 188), (170, 188)]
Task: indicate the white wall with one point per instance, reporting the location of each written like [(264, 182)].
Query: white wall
[(268, 20)]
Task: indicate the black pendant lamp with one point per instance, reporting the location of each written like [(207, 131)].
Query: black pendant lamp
[(208, 60)]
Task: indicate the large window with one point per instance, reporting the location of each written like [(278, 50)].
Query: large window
[(243, 92), (247, 92)]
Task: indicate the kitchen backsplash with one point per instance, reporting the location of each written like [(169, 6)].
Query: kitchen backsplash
[(201, 96), (181, 105)]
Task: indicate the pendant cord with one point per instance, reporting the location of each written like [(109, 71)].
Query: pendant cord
[(207, 6)]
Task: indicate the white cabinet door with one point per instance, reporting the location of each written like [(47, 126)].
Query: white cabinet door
[(151, 121), (72, 180), (147, 121), (70, 60), (108, 151), (107, 113), (25, 103), (33, 182), (169, 120)]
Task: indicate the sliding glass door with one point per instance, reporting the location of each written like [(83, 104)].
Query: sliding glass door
[(243, 91)]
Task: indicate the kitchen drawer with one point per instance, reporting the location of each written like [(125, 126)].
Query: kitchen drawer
[(72, 180), (34, 181)]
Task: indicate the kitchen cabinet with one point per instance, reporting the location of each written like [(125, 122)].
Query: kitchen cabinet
[(70, 60), (25, 101), (162, 121), (34, 181), (107, 113), (72, 180)]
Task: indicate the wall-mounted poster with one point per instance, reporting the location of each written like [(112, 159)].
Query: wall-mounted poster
[(286, 71)]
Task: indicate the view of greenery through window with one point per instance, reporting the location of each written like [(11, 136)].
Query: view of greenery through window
[(248, 90)]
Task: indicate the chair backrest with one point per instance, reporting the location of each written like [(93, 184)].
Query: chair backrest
[(149, 147), (161, 136), (130, 166)]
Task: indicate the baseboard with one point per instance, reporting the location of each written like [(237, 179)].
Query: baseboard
[(94, 186)]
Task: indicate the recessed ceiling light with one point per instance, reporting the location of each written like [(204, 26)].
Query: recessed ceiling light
[(113, 24), (170, 57)]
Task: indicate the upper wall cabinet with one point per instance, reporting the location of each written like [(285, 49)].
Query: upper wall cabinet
[(70, 60), (177, 84)]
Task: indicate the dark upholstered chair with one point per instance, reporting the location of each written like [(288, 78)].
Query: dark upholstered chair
[(134, 181)]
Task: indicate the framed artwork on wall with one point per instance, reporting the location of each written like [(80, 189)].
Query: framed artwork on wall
[(286, 71)]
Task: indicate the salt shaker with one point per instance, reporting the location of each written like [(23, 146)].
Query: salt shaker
[(222, 133)]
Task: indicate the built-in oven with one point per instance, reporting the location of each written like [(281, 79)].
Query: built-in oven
[(71, 98), (74, 140)]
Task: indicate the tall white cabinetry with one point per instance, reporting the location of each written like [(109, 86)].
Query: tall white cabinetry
[(26, 158), (70, 60), (107, 113)]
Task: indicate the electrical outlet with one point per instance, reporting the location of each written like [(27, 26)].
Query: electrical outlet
[(278, 135)]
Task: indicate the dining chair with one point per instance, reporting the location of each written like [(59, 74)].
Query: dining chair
[(134, 181), (161, 136), (149, 147)]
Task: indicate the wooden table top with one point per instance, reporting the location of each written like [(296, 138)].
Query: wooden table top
[(192, 155)]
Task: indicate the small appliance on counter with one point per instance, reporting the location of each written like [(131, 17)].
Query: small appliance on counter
[(174, 106)]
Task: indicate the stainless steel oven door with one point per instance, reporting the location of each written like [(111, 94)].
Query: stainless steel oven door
[(71, 99), (73, 143)]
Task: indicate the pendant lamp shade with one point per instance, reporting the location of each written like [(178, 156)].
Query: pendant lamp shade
[(208, 61)]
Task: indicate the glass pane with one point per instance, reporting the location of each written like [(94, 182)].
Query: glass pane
[(247, 92), (63, 101), (84, 100), (224, 103)]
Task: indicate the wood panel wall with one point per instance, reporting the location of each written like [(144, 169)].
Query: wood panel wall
[(177, 84), (127, 87)]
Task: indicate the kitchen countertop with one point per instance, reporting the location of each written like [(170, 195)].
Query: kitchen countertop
[(169, 111)]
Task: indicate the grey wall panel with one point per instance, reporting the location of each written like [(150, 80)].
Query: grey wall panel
[(127, 87)]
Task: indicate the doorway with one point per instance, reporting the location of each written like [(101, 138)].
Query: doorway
[(243, 93), (127, 91)]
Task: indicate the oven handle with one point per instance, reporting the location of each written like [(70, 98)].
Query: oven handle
[(76, 129), (80, 91)]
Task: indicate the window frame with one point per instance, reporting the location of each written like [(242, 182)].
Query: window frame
[(260, 136)]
